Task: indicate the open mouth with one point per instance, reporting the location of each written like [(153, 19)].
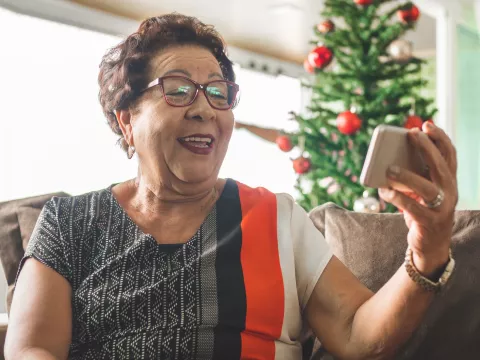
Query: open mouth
[(198, 143)]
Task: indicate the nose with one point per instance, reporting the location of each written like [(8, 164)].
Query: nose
[(201, 109)]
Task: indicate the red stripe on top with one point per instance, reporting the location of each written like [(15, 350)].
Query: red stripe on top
[(261, 272)]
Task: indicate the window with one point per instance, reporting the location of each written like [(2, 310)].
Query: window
[(55, 137), (266, 101), (467, 126)]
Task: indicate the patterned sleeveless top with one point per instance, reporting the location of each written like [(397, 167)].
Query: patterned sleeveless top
[(235, 290)]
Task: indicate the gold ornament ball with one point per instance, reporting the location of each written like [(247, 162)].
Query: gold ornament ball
[(367, 204), (401, 50)]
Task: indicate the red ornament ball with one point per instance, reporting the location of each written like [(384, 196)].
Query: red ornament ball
[(363, 2), (302, 165), (326, 27), (348, 123), (320, 57), (410, 15), (413, 122), (308, 68), (284, 143)]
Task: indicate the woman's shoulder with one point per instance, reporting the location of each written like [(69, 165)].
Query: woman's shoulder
[(260, 192), (249, 196), (87, 205)]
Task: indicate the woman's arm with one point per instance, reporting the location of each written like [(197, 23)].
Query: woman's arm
[(353, 323), (40, 321)]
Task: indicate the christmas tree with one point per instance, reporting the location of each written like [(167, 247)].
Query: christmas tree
[(364, 75)]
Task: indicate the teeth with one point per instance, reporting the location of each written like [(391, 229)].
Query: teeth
[(198, 139), (200, 145)]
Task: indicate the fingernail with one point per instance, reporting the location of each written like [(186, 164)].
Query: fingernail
[(415, 135), (429, 126), (386, 193), (393, 171)]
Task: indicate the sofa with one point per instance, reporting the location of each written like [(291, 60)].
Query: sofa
[(372, 246), (17, 220)]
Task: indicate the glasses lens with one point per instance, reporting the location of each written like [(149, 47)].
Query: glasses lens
[(221, 94), (178, 91)]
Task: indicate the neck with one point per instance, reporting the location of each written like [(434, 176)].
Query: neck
[(161, 199)]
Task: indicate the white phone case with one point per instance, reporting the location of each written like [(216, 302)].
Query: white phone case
[(390, 146)]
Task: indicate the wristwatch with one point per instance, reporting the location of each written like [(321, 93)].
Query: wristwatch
[(421, 280)]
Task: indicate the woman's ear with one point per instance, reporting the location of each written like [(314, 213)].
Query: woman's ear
[(124, 118)]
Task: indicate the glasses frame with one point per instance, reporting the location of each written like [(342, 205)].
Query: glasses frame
[(198, 87)]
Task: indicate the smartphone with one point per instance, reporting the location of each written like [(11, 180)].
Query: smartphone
[(390, 146)]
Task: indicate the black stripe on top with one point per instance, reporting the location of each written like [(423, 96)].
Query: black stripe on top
[(232, 307)]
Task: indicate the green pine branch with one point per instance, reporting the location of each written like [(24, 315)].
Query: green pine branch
[(363, 75)]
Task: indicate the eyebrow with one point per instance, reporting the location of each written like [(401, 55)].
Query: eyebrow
[(215, 74), (184, 72)]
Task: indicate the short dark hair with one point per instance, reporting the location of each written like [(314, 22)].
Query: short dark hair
[(122, 70)]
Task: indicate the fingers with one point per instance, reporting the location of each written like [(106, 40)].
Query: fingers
[(439, 170), (444, 144), (408, 219), (399, 178), (415, 210)]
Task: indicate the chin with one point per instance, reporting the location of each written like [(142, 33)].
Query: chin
[(197, 175)]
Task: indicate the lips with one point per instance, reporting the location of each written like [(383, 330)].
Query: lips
[(201, 144)]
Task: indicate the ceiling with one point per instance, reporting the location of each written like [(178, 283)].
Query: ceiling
[(276, 28)]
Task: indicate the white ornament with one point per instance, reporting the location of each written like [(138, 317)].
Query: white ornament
[(401, 50), (367, 204)]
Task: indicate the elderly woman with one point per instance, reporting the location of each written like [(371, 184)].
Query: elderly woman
[(179, 264)]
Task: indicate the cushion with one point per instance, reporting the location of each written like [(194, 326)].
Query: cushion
[(17, 221), (372, 246)]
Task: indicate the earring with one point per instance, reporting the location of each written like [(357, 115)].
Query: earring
[(130, 151)]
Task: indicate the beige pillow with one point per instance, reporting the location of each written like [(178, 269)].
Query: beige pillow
[(372, 246), (17, 221)]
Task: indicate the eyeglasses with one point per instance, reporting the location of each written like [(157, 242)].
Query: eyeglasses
[(179, 91)]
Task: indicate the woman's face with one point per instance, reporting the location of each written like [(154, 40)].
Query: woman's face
[(163, 134)]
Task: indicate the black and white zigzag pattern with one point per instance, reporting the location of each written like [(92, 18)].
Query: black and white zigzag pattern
[(131, 299)]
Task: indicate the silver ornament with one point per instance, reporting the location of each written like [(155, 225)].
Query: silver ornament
[(401, 50), (367, 204)]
